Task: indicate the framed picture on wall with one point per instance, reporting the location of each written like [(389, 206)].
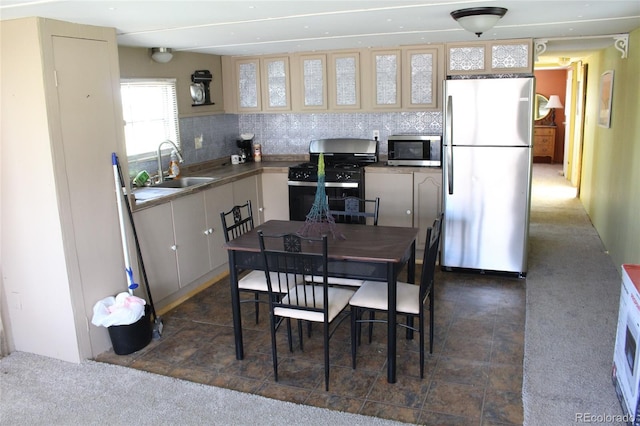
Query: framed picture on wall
[(604, 104)]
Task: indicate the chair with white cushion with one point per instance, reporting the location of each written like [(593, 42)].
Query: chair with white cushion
[(410, 298), (287, 258), (236, 222)]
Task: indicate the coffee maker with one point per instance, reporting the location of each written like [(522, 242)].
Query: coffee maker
[(245, 143)]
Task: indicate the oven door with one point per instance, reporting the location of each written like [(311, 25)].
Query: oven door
[(303, 194)]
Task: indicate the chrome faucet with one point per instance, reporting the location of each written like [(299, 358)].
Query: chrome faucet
[(160, 174)]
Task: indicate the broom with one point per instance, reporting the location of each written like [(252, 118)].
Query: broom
[(121, 191)]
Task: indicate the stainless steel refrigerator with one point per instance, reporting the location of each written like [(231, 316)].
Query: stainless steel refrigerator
[(487, 156)]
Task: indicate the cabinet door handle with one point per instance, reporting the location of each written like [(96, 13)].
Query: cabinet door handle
[(261, 209), (174, 247), (408, 211)]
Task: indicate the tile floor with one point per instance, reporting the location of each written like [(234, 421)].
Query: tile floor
[(474, 375)]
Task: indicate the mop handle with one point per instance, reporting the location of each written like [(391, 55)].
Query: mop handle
[(125, 248)]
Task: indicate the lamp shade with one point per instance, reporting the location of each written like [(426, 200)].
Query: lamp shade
[(478, 19), (161, 54), (554, 102)]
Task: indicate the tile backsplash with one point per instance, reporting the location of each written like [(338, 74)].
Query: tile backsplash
[(288, 134)]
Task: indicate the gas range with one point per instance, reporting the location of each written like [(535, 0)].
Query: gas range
[(344, 161)]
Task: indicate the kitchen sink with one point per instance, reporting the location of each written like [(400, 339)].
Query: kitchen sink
[(169, 187), (184, 182)]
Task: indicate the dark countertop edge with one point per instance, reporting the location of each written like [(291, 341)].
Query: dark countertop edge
[(225, 173)]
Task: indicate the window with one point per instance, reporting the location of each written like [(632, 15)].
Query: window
[(150, 113)]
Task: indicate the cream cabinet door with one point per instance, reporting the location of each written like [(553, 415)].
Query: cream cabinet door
[(344, 81), (421, 78), (248, 81), (276, 84), (157, 244), (275, 196), (247, 189), (313, 82), (218, 199), (387, 82), (396, 197), (190, 227), (427, 201)]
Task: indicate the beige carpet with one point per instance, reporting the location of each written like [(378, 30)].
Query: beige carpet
[(573, 291)]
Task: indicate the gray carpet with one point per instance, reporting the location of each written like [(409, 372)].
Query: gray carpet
[(573, 291), (36, 390)]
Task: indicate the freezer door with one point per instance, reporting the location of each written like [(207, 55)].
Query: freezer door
[(490, 112), (487, 217)]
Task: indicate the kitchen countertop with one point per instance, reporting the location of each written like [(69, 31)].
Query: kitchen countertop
[(226, 173), (223, 174)]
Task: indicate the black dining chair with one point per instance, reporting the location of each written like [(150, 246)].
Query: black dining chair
[(350, 210), (236, 222), (289, 257), (354, 210), (410, 298)]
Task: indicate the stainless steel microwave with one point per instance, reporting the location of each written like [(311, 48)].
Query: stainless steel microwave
[(415, 150)]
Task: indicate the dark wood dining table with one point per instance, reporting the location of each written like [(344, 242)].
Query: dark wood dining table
[(377, 253)]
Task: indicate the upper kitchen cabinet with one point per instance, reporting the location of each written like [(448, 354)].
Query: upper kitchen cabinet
[(421, 76), (406, 78), (311, 79), (247, 77), (261, 84), (386, 82), (276, 88), (490, 57), (344, 81)]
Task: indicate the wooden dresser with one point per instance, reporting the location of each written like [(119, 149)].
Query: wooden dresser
[(544, 141)]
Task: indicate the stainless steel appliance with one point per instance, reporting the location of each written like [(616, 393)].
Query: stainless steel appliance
[(344, 159), (487, 156), (415, 150)]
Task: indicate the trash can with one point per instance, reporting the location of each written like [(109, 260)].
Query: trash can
[(127, 339)]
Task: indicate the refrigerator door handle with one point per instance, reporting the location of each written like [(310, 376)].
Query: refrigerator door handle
[(449, 141)]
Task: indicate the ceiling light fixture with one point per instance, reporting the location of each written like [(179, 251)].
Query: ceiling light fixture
[(478, 19), (161, 54), (564, 61)]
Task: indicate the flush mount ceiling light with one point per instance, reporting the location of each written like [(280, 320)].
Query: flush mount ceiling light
[(564, 61), (161, 54), (478, 19)]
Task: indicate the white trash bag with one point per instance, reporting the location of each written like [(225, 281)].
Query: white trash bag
[(124, 309)]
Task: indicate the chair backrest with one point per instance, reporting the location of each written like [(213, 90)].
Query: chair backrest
[(354, 210), (237, 221), (431, 248), (294, 257)]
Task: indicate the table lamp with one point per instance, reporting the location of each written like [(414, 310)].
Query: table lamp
[(554, 102)]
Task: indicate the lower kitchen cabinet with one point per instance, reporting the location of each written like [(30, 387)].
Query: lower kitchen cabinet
[(191, 236), (154, 227), (410, 197), (181, 240), (217, 199), (247, 189), (427, 201), (275, 196), (396, 197)]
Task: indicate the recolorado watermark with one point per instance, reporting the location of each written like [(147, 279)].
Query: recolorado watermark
[(603, 418)]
